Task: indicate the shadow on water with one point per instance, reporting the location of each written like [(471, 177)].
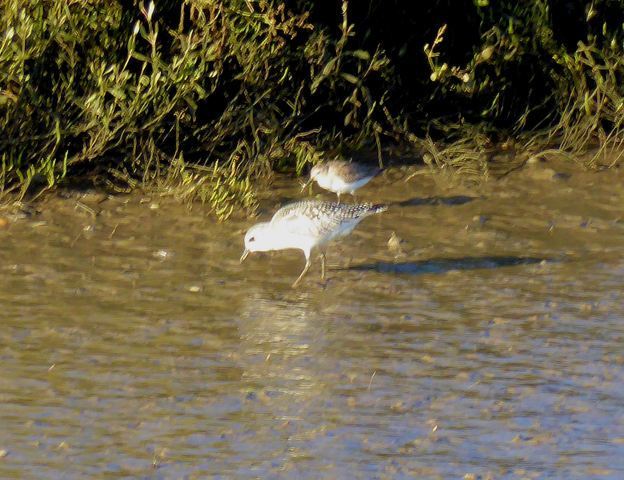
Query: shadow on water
[(454, 200), (444, 265)]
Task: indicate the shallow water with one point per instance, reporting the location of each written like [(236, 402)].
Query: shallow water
[(488, 343)]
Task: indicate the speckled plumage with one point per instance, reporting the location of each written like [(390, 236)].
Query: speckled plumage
[(340, 176), (325, 216), (305, 225)]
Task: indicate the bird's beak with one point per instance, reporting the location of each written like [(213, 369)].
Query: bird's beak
[(244, 256)]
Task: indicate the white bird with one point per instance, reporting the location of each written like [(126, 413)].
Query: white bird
[(340, 176), (305, 225)]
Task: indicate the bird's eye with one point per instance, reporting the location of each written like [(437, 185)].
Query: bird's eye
[(252, 239)]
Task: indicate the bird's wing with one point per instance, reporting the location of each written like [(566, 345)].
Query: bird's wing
[(352, 171), (318, 218), (292, 209), (294, 219)]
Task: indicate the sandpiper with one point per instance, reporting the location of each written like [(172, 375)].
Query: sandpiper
[(305, 225), (340, 176)]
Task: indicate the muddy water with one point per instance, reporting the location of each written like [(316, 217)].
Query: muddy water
[(486, 340)]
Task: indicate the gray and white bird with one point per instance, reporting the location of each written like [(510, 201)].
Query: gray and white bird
[(306, 225), (340, 176)]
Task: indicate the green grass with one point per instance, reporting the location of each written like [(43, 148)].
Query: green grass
[(204, 99)]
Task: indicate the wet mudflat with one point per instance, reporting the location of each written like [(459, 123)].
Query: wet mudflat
[(484, 340)]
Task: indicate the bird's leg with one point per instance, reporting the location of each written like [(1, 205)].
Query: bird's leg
[(306, 184), (305, 270), (322, 255), (337, 193)]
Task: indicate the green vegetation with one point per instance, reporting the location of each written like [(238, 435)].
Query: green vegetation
[(206, 98)]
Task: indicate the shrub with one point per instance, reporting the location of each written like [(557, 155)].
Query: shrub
[(212, 96)]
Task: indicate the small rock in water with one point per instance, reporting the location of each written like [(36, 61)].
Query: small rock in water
[(93, 196), (162, 254), (3, 453), (395, 244), (194, 288), (251, 396), (561, 176), (3, 222), (63, 446), (480, 219), (544, 173), (399, 407)]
